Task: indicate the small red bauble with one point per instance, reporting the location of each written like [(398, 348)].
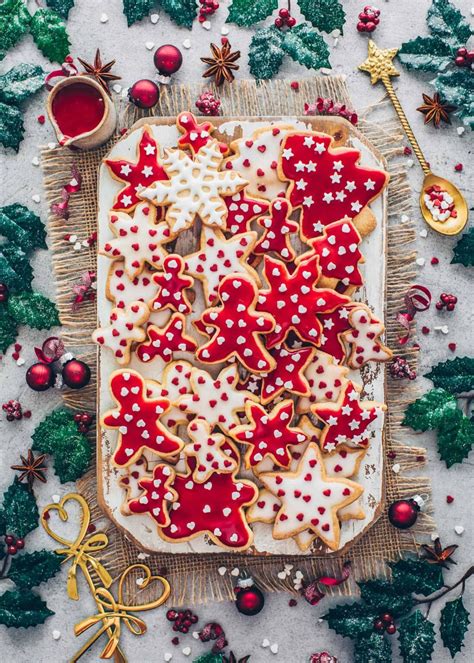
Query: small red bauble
[(144, 93), (168, 59), (249, 598), (402, 514), (76, 374), (40, 377)]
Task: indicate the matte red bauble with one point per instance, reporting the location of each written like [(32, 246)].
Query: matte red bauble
[(144, 93), (40, 377), (168, 59), (403, 513), (249, 600), (76, 374)]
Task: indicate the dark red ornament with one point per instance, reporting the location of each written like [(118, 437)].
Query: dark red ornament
[(402, 514), (40, 377), (249, 598), (76, 374), (168, 59), (144, 93)]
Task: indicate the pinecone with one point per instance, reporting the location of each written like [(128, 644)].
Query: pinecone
[(208, 104)]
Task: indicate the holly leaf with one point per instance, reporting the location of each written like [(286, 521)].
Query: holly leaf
[(427, 412), (455, 87), (447, 22), (454, 624), (351, 619), (455, 437), (326, 15), (182, 12), (135, 10), (20, 510), (29, 221), (44, 436), (21, 82), (305, 45), (14, 22), (464, 249), (11, 126), (209, 657), (14, 233), (31, 569), (373, 648), (266, 53), (454, 375), (383, 596), (248, 12), (21, 609), (426, 54), (49, 33), (61, 7), (71, 456), (34, 310), (8, 326), (416, 636), (3, 525), (417, 576), (18, 262)]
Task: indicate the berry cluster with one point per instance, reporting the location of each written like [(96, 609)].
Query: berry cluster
[(182, 619), (326, 106), (3, 293), (13, 544), (207, 8), (446, 301), (208, 104), (400, 369), (83, 421), (464, 58), (385, 623), (285, 18), (214, 631), (368, 19), (14, 411)]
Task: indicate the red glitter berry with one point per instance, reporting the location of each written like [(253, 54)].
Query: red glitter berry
[(292, 603), (449, 499), (452, 347), (407, 150), (425, 330), (41, 119), (458, 167), (434, 260), (295, 85)]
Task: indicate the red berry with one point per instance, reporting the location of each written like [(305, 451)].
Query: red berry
[(391, 629), (285, 13), (449, 499), (171, 615), (379, 625), (459, 61), (184, 629), (452, 347), (391, 455), (9, 539), (11, 550), (439, 306), (470, 56), (370, 26), (278, 22), (361, 27), (458, 167), (386, 618), (41, 119), (194, 619), (295, 85), (434, 260), (20, 544), (462, 51), (175, 641), (425, 330), (291, 22), (292, 603), (450, 307)]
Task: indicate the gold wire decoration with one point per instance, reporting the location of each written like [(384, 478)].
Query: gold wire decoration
[(111, 612)]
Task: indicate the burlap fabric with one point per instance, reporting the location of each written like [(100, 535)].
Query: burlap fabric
[(194, 578)]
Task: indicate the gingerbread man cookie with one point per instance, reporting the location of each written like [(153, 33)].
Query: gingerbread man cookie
[(196, 134), (123, 290), (137, 419), (277, 230), (364, 338), (125, 327), (157, 495), (172, 284), (242, 210), (288, 374), (326, 379), (213, 453), (164, 341)]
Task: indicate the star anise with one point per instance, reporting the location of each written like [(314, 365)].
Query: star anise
[(99, 71), (438, 555), (435, 109), (31, 469), (222, 63), (232, 659)]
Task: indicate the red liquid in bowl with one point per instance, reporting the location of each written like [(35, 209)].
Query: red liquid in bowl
[(78, 109)]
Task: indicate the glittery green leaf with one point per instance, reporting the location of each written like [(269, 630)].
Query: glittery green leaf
[(209, 657), (464, 249), (49, 33), (29, 221), (61, 7), (455, 437), (427, 412), (34, 310), (416, 576), (21, 82), (13, 232), (8, 327), (8, 276), (426, 53), (373, 648), (31, 569), (454, 375), (327, 15), (135, 10), (11, 126), (266, 53), (18, 261), (351, 619), (21, 609), (20, 510), (457, 87), (248, 12), (447, 22), (182, 12), (14, 22), (416, 636), (305, 45), (454, 625), (383, 596), (44, 437)]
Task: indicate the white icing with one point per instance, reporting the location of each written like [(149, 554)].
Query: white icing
[(125, 327), (207, 450)]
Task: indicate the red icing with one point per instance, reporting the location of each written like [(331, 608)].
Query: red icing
[(288, 374), (173, 285), (163, 341), (277, 229), (157, 494), (78, 109), (196, 134), (334, 324), (241, 210)]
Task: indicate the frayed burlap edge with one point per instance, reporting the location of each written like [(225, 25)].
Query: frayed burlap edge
[(194, 578)]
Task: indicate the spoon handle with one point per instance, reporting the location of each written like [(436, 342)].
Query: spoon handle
[(405, 124)]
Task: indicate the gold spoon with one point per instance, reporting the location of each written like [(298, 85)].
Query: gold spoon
[(380, 67)]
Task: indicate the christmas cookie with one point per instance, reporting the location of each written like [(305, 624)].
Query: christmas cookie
[(138, 420), (129, 481), (294, 300), (265, 509), (218, 257), (277, 230), (195, 187), (175, 383), (172, 284), (334, 324), (348, 421), (136, 175), (364, 338), (242, 210), (239, 327), (213, 453), (125, 327), (196, 134), (288, 374), (164, 341), (327, 183), (123, 290), (217, 400), (326, 378), (310, 499), (269, 434), (157, 495), (138, 240)]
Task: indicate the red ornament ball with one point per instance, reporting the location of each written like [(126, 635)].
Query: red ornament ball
[(144, 93), (249, 601), (76, 374), (3, 293), (168, 59), (402, 514), (40, 377)]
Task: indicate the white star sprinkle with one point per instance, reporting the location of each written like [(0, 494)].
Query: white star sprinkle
[(338, 165), (308, 201), (150, 149), (369, 185), (287, 153), (126, 169)]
